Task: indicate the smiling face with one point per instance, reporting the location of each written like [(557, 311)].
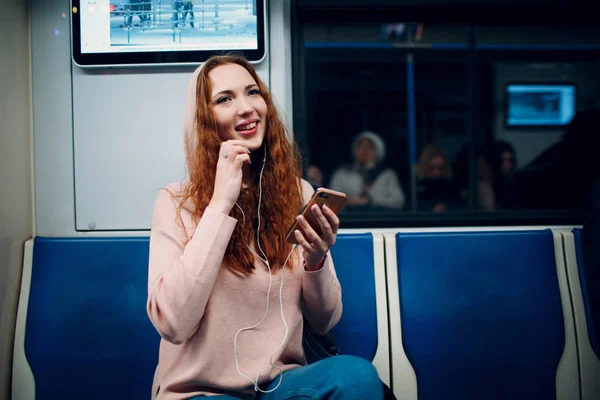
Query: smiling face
[(238, 105)]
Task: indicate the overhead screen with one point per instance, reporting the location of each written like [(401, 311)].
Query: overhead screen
[(150, 32), (539, 105)]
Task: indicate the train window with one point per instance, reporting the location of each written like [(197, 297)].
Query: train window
[(542, 166), (409, 120)]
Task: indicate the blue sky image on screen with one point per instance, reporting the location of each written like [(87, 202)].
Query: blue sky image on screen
[(539, 105), (167, 25)]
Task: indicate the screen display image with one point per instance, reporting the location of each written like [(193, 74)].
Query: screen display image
[(540, 105), (124, 32)]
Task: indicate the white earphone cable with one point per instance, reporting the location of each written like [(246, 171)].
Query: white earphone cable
[(266, 261)]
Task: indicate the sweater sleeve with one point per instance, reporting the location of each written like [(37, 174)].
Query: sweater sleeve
[(321, 290), (181, 276), (322, 297)]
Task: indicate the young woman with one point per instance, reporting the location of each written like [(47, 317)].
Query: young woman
[(226, 292)]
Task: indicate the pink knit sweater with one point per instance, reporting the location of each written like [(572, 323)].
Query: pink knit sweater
[(197, 305)]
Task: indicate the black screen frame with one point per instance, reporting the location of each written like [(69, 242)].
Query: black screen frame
[(506, 102), (164, 58)]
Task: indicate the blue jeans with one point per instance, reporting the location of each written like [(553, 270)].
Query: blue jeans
[(339, 377)]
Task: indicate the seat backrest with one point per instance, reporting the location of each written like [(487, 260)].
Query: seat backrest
[(481, 313), (590, 291), (87, 332), (356, 332), (88, 335)]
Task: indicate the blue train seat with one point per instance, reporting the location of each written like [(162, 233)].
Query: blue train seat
[(481, 315), (362, 330), (86, 333)]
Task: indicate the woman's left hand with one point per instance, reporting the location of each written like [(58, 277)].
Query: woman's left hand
[(315, 247)]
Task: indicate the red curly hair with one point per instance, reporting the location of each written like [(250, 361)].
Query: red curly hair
[(281, 187)]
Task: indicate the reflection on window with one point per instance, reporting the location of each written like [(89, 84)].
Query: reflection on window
[(498, 125), (436, 189), (561, 176), (367, 181)]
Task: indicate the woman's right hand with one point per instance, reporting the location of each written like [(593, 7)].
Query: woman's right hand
[(233, 154)]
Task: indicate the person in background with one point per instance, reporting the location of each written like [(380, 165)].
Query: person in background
[(562, 176), (141, 8), (502, 159), (435, 189), (217, 245), (367, 182), (314, 176), (181, 10)]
